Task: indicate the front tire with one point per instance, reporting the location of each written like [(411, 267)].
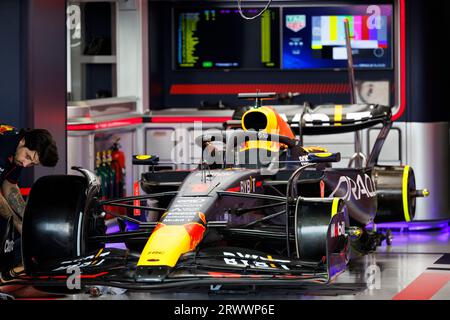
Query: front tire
[(55, 224)]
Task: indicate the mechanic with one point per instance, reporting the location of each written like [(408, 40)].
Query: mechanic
[(21, 149)]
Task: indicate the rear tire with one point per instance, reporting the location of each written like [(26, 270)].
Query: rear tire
[(396, 193)]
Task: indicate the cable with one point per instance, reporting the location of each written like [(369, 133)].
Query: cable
[(255, 16)]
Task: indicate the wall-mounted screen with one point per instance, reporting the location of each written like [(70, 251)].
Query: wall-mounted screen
[(314, 37), (219, 38), (202, 53)]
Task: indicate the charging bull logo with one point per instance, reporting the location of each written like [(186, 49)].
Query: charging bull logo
[(5, 128)]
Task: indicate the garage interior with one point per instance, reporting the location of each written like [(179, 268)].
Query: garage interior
[(121, 78)]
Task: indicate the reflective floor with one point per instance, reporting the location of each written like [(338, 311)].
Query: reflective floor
[(416, 266)]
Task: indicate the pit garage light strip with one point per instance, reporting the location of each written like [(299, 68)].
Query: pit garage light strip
[(189, 119), (104, 125), (134, 121), (233, 89), (402, 102)]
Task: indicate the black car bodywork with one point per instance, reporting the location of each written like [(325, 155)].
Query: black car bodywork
[(222, 224)]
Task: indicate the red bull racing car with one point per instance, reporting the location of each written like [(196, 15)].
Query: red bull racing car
[(266, 212)]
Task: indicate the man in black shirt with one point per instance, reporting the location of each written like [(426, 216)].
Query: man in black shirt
[(18, 150)]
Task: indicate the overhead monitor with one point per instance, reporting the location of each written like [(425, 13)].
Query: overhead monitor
[(285, 37), (314, 37), (219, 38)]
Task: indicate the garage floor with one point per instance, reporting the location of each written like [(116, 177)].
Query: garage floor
[(416, 266)]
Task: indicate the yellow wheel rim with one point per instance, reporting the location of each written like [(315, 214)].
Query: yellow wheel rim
[(405, 194), (335, 207)]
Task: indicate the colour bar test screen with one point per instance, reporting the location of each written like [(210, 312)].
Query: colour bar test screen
[(314, 37)]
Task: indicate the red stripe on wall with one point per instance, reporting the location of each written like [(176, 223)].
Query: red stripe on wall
[(39, 299), (424, 287), (234, 89), (104, 125), (189, 119), (402, 101)]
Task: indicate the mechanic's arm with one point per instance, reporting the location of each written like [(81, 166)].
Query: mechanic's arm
[(14, 201)]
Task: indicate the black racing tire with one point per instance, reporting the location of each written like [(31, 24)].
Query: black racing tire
[(312, 221), (54, 224), (396, 193)]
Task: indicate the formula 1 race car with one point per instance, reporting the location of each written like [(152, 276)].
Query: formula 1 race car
[(267, 211)]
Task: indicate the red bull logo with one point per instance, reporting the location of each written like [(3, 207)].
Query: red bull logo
[(5, 128)]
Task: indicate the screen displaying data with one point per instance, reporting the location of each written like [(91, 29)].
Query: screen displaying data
[(283, 38), (219, 38)]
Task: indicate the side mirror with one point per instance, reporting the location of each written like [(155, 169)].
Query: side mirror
[(320, 157)]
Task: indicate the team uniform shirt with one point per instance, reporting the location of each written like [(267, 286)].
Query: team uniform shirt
[(9, 140)]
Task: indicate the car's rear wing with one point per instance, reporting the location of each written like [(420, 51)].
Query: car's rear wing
[(333, 119), (329, 118)]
